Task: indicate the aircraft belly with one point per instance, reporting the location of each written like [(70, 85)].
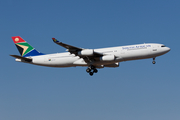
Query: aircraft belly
[(55, 62), (80, 62)]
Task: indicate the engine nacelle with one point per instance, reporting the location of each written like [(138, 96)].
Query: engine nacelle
[(86, 52), (107, 58)]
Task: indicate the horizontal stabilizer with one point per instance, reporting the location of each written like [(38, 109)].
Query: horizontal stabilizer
[(22, 58)]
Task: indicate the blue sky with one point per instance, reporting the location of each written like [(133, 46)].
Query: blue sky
[(136, 90)]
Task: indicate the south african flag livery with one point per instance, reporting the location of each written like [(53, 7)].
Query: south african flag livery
[(24, 48)]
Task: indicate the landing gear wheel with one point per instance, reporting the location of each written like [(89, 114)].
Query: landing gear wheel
[(95, 70), (88, 70), (92, 67), (91, 73), (91, 70), (154, 62)]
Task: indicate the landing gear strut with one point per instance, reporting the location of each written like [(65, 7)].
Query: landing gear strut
[(154, 62), (91, 70)]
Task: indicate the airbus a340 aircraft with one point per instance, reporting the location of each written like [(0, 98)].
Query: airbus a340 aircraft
[(92, 58)]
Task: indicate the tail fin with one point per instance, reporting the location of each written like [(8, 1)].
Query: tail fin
[(24, 48)]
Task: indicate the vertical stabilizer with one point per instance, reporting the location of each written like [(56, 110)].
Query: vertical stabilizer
[(24, 48)]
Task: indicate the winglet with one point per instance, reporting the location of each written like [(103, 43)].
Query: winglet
[(55, 40)]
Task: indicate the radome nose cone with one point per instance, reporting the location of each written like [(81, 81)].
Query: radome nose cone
[(169, 49)]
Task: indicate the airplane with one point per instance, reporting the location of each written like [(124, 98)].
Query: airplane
[(93, 59)]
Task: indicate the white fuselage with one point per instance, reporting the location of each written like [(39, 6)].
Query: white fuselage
[(121, 53)]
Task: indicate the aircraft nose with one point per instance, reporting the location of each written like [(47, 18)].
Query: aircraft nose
[(168, 49)]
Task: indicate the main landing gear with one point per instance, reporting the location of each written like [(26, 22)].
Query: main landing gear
[(154, 62), (91, 70)]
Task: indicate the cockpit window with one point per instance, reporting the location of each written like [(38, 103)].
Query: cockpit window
[(163, 46)]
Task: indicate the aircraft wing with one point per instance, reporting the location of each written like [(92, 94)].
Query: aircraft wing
[(69, 47), (77, 50)]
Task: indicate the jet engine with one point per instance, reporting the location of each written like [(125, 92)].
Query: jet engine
[(86, 52), (107, 58)]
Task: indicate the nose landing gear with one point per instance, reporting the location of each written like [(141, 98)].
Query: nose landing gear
[(154, 62), (91, 70)]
